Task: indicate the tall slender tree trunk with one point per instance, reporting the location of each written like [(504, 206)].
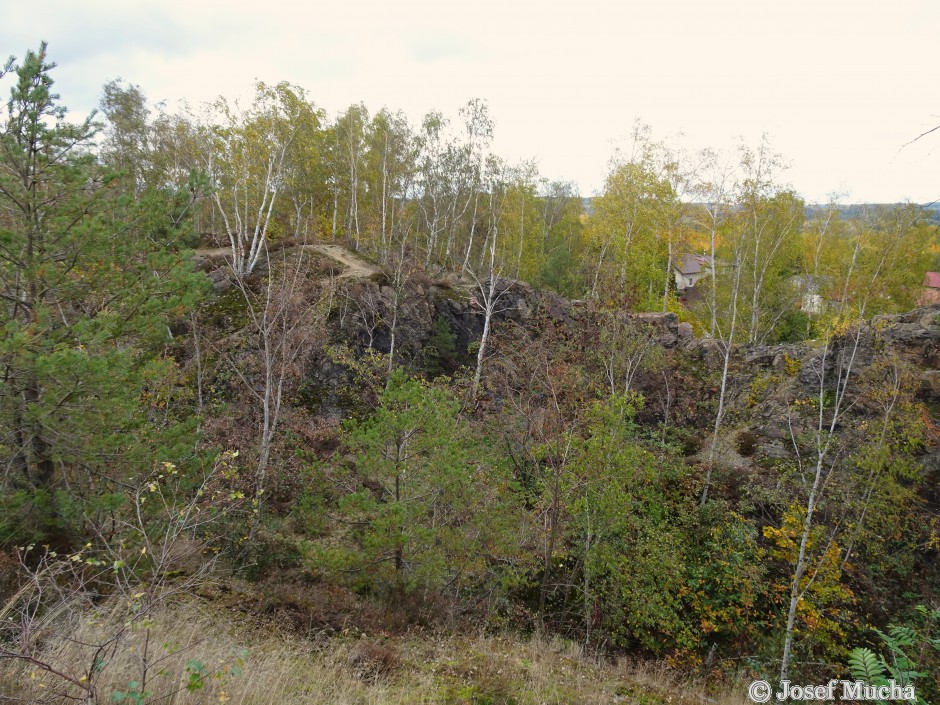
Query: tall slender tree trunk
[(668, 272), (597, 270), (473, 223), (384, 254), (588, 603), (335, 210), (553, 523), (489, 296), (723, 390), (521, 236), (714, 282)]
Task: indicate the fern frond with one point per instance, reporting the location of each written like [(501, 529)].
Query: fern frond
[(900, 638), (866, 666)]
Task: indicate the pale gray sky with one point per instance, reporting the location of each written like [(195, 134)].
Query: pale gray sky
[(839, 85)]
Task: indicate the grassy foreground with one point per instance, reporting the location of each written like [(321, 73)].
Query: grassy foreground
[(232, 659)]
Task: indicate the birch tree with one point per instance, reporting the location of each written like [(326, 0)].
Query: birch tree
[(450, 174), (772, 219), (306, 171), (626, 224), (469, 168), (675, 175), (489, 284), (126, 147), (350, 155), (522, 239), (283, 321), (246, 161), (834, 368), (726, 334), (626, 346), (432, 181), (562, 238), (761, 231), (390, 168), (713, 189)]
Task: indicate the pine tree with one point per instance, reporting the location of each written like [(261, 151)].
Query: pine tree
[(90, 278), (425, 505)]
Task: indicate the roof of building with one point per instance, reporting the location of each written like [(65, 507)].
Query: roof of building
[(693, 264), (932, 280)]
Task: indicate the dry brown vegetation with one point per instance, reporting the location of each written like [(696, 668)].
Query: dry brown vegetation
[(360, 670)]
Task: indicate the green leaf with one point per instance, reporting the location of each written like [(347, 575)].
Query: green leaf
[(866, 666)]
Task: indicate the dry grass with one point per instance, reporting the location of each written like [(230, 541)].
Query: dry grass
[(653, 680), (450, 670)]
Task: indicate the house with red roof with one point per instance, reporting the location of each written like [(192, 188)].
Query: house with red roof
[(931, 292)]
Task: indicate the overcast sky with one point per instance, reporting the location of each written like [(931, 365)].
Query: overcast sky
[(839, 86)]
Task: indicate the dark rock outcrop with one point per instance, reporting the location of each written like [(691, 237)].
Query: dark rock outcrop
[(765, 381)]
